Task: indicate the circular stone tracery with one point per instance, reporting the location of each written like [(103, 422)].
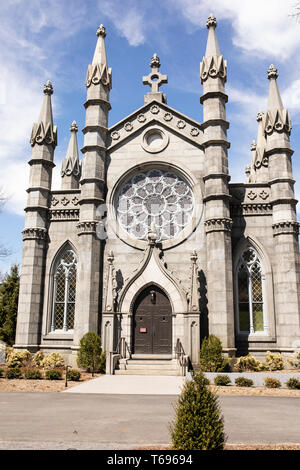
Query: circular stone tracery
[(155, 196)]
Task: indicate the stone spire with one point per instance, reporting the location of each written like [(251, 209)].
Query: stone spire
[(277, 117), (155, 79), (44, 132), (70, 170), (98, 70), (213, 63), (260, 162)]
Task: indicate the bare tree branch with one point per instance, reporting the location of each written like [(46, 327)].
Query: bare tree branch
[(296, 11)]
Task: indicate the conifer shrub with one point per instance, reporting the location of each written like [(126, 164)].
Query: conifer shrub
[(271, 382), (211, 357), (74, 375), (222, 380), (248, 362), (33, 374), (38, 358), (14, 373), (90, 355), (293, 383), (243, 382), (198, 423), (53, 374), (52, 361), (274, 361)]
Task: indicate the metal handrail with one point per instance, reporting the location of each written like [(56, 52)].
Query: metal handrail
[(181, 356)]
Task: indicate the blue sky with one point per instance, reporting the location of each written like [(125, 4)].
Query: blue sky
[(55, 39)]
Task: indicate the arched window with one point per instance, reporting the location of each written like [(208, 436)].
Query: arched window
[(250, 292), (64, 292)]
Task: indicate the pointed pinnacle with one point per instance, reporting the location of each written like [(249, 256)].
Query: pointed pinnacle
[(48, 88), (259, 116), (101, 31), (272, 72), (74, 127), (211, 21)]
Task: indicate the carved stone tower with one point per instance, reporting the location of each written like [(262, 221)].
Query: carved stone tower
[(43, 141), (217, 214)]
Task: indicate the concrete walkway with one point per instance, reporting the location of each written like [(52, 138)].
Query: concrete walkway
[(131, 385)]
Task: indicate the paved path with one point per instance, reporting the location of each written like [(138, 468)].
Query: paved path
[(99, 421), (131, 385)]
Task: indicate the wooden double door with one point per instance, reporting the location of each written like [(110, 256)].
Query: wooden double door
[(152, 322)]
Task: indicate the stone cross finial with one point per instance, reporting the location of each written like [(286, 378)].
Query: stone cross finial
[(272, 72), (211, 21), (48, 88), (155, 79), (101, 31)]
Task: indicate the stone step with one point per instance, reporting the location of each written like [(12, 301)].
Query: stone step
[(166, 372), (151, 366), (147, 363), (152, 356)]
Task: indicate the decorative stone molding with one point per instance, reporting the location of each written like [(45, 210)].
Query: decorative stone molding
[(218, 225), (87, 227), (181, 124), (194, 284), (285, 227), (214, 67), (141, 118), (263, 195), (168, 117), (128, 127), (64, 214), (154, 109), (194, 132), (115, 135), (67, 199), (98, 73), (237, 210), (110, 295), (34, 233), (278, 121), (251, 195), (44, 134)]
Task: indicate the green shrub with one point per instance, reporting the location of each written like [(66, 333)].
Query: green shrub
[(222, 380), (16, 359), (33, 374), (270, 382), (1, 372), (53, 374), (90, 355), (206, 380), (53, 360), (14, 373), (38, 358), (198, 424), (293, 383), (294, 361), (211, 357), (248, 362), (274, 361), (73, 374), (243, 382)]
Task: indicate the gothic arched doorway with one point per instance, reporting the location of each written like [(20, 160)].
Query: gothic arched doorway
[(152, 322)]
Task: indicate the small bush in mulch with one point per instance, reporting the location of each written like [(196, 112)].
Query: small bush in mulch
[(1, 372), (74, 375), (270, 382), (13, 373), (33, 374), (243, 382), (222, 380), (53, 374), (293, 383)]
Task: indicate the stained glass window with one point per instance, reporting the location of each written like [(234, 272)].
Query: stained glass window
[(250, 281), (155, 197), (64, 293)]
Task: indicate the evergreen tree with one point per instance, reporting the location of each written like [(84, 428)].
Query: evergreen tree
[(90, 355), (211, 357), (198, 424), (9, 295)]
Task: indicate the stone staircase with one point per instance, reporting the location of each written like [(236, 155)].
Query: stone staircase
[(148, 365)]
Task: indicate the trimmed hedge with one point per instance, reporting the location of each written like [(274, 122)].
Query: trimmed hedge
[(33, 374), (222, 380), (293, 383), (74, 375), (14, 373), (270, 382), (243, 382), (53, 374)]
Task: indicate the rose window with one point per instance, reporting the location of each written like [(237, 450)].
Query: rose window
[(155, 197)]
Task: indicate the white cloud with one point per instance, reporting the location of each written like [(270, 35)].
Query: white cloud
[(260, 27), (127, 17)]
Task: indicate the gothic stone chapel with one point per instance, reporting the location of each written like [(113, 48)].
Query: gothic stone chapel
[(147, 242)]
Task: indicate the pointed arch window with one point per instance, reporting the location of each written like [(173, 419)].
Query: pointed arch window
[(64, 292), (250, 283)]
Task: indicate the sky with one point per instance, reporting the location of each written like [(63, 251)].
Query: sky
[(55, 40)]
